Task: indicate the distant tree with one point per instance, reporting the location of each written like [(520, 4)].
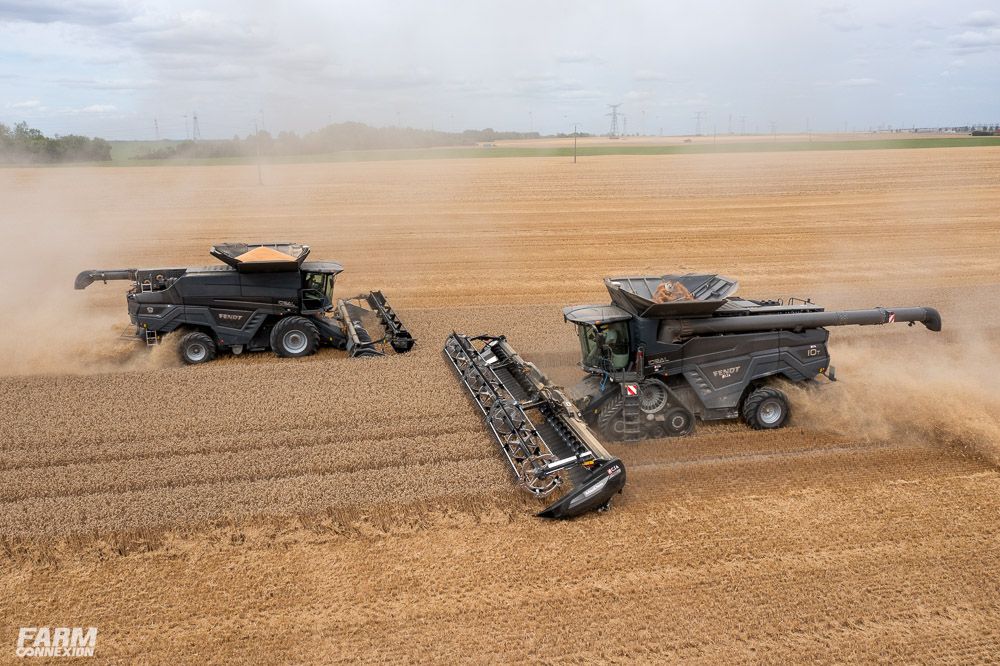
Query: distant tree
[(25, 144)]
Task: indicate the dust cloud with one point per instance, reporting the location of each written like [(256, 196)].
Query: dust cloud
[(919, 390)]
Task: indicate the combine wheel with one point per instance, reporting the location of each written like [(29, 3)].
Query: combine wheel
[(293, 337), (196, 347), (766, 409), (678, 422)]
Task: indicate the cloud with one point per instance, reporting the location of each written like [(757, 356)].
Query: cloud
[(582, 95), (29, 104), (856, 83), (982, 19), (923, 45), (81, 12), (839, 18), (975, 40), (198, 33), (573, 57), (113, 85), (649, 75), (638, 96), (92, 109)]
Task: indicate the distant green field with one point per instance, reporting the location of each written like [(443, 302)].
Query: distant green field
[(122, 151), (623, 149)]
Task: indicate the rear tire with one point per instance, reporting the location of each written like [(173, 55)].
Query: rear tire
[(294, 337), (196, 347), (766, 409)]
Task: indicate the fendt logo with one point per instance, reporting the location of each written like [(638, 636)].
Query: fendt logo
[(728, 372), (56, 642)]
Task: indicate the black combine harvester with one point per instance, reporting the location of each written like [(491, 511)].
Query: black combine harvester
[(264, 296), (667, 350)]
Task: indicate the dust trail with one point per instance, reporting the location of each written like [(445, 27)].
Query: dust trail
[(89, 343), (944, 394)]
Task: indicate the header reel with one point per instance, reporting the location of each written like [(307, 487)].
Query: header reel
[(540, 432)]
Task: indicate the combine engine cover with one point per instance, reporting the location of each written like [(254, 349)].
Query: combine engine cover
[(540, 431)]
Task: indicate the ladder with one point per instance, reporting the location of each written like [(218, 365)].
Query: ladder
[(151, 339), (631, 413)]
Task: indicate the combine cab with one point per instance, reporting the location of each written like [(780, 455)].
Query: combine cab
[(265, 296), (541, 433)]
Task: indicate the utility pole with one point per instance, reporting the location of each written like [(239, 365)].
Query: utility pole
[(156, 129), (531, 122), (187, 135), (256, 132), (774, 134)]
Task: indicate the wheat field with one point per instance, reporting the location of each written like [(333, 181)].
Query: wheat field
[(334, 510)]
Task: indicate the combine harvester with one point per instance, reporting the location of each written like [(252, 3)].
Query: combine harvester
[(265, 296), (667, 350)]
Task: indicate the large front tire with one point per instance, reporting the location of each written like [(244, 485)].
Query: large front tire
[(196, 347), (294, 337), (766, 409)]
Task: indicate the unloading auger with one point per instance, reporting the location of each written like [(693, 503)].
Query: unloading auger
[(540, 431)]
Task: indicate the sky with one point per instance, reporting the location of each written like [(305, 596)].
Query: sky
[(125, 69)]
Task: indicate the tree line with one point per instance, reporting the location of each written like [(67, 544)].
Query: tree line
[(22, 144), (346, 136)]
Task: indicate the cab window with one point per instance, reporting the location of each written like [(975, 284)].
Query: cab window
[(616, 342), (321, 282), (616, 339)]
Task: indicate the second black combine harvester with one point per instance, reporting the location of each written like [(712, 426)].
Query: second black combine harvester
[(263, 296), (667, 350)]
